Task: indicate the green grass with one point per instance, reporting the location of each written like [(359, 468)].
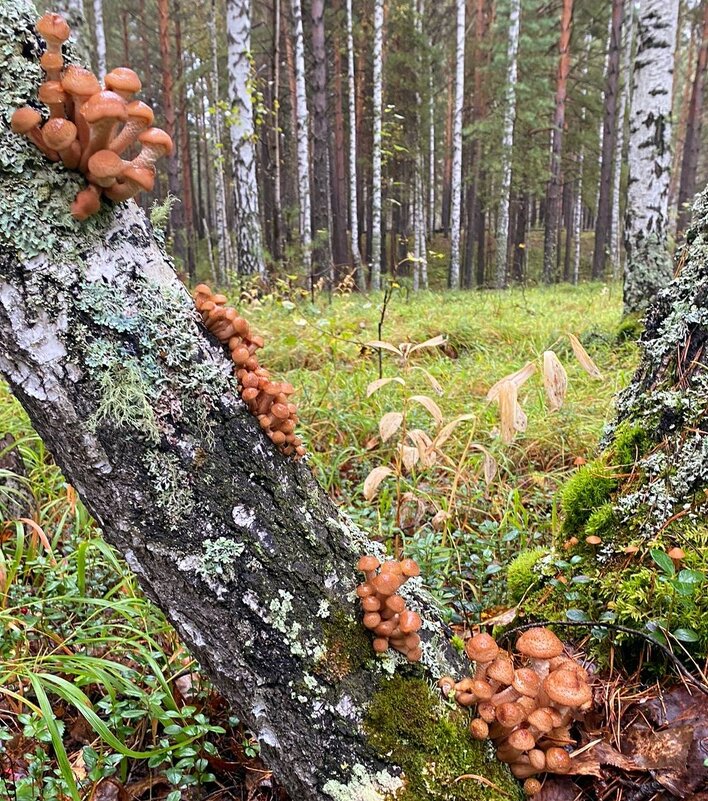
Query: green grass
[(76, 634)]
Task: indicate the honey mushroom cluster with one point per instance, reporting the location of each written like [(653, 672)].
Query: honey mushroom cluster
[(385, 612), (90, 127), (268, 400), (524, 704)]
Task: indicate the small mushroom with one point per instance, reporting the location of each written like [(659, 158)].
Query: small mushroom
[(102, 112), (557, 760), (86, 203), (539, 645), (26, 121), (81, 84), (479, 729), (60, 135), (532, 786), (140, 118), (52, 94), (124, 82)]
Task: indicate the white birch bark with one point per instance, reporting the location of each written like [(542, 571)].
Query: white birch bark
[(615, 229), (507, 143), (648, 264), (223, 239), (303, 145), (578, 201), (353, 199), (376, 182), (100, 38), (456, 181), (249, 246), (420, 249)]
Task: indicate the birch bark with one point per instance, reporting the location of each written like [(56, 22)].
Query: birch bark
[(376, 155), (456, 177), (648, 264), (247, 223), (302, 135), (507, 143), (100, 38), (353, 199)]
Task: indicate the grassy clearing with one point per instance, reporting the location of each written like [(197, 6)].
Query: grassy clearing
[(94, 685)]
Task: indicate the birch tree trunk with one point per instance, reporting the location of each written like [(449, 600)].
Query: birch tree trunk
[(302, 135), (580, 162), (692, 141), (223, 240), (507, 143), (100, 38), (648, 265), (603, 220), (553, 191), (624, 100), (247, 222), (456, 176), (322, 253), (376, 155), (353, 178), (420, 247), (247, 556)]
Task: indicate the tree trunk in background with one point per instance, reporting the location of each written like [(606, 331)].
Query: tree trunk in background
[(432, 172), (447, 158), (377, 186), (456, 175), (225, 260), (420, 246), (553, 191), (176, 228), (276, 134), (185, 156), (507, 144), (648, 264), (322, 252), (338, 161), (303, 146), (692, 140), (353, 178), (603, 221), (247, 556), (624, 100), (100, 36), (247, 221)]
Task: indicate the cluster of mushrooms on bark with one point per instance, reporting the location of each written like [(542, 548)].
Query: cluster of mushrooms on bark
[(524, 702), (268, 400), (385, 612), (90, 126)]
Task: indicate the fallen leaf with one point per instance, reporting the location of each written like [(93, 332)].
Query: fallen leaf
[(374, 479)]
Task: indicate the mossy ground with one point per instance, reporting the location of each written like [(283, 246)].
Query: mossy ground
[(407, 724)]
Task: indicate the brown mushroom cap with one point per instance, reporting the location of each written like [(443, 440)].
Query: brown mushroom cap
[(446, 685), (481, 648), (386, 583), (557, 760), (410, 568), (367, 563), (526, 682), (103, 105), (51, 92), (53, 28), (410, 622), (487, 711), (510, 715), (80, 82), (677, 554), (537, 758), (24, 119), (144, 177), (482, 689), (501, 670), (539, 643), (51, 62), (522, 740), (106, 164), (157, 138), (479, 729), (532, 786), (86, 203), (123, 80), (541, 720), (59, 133), (566, 687)]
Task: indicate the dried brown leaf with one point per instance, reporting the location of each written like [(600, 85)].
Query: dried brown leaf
[(430, 405), (374, 386), (374, 479), (435, 342), (434, 383), (555, 380), (444, 434), (389, 424), (582, 356), (377, 343), (517, 378), (410, 456)]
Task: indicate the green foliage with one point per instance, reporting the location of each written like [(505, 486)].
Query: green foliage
[(584, 492), (520, 576), (407, 724), (602, 521), (630, 328), (628, 444)]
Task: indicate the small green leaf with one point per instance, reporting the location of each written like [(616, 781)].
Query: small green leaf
[(664, 561), (691, 577), (576, 615), (686, 635)]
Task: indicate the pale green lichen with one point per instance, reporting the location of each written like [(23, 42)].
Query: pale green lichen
[(171, 486), (219, 558), (364, 786)]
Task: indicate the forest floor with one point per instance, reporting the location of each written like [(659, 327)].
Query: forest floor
[(121, 712)]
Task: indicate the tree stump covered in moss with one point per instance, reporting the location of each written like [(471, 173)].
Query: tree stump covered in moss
[(647, 491), (243, 551)]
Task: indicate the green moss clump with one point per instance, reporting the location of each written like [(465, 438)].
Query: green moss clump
[(629, 444), (348, 647), (408, 726), (584, 492), (602, 522), (630, 328), (520, 575)]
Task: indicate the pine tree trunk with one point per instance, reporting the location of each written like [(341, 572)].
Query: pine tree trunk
[(322, 252), (507, 144), (353, 177), (648, 265), (456, 174), (553, 191), (692, 140), (247, 222), (603, 222), (248, 557), (625, 97), (420, 247), (376, 156), (303, 146), (100, 36)]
